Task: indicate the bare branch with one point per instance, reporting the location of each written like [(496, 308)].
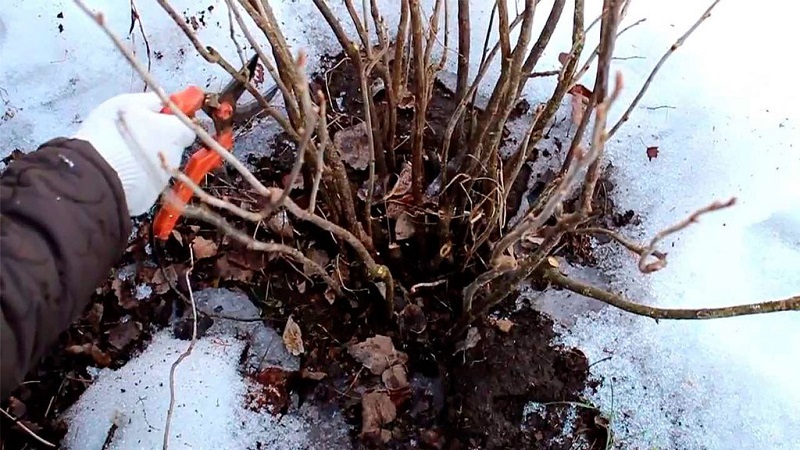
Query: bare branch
[(221, 224), (311, 116), (650, 250), (323, 144), (660, 63), (617, 301)]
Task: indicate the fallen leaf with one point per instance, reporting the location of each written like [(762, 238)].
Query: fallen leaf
[(319, 256), (227, 270), (312, 375), (16, 407), (162, 279), (203, 248), (403, 185), (407, 99), (95, 315), (377, 410), (413, 319), (301, 287), (579, 102), (353, 144), (100, 358), (281, 225), (124, 333), (579, 89), (293, 338), (377, 354), (330, 295), (652, 153), (404, 227), (395, 377), (298, 182), (578, 105), (472, 339), (504, 325), (116, 285)]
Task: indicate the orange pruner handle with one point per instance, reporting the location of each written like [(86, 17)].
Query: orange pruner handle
[(190, 100)]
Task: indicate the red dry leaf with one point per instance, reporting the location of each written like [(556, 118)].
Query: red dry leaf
[(203, 248), (652, 153), (563, 58), (353, 144), (579, 89)]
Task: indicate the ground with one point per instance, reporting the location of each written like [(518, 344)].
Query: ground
[(512, 388), (722, 112)]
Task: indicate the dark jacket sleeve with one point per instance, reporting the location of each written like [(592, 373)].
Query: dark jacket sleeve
[(63, 224)]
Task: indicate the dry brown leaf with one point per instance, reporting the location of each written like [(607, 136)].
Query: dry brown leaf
[(162, 278), (395, 377), (407, 99), (312, 375), (472, 339), (413, 319), (377, 354), (403, 185), (203, 248), (95, 315), (330, 295), (377, 410), (298, 182), (124, 333), (652, 153), (504, 325), (177, 236), (301, 287), (224, 269), (578, 105), (293, 338), (404, 227), (281, 225), (353, 144)]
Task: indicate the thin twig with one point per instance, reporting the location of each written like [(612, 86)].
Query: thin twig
[(221, 224), (311, 115), (26, 429), (596, 51), (660, 63), (618, 301), (183, 355), (646, 267)]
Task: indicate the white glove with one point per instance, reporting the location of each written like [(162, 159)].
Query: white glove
[(129, 132)]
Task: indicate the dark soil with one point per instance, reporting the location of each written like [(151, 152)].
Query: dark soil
[(454, 399)]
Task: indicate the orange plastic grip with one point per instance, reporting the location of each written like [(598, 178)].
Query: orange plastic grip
[(200, 164), (189, 100)]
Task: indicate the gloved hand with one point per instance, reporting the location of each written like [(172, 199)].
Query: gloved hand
[(132, 147)]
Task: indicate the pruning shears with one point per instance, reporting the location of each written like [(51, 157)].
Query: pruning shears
[(221, 107)]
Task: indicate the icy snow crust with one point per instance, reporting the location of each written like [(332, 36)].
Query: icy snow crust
[(723, 113)]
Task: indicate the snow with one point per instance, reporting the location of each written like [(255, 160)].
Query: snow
[(208, 413), (727, 126), (211, 407)]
